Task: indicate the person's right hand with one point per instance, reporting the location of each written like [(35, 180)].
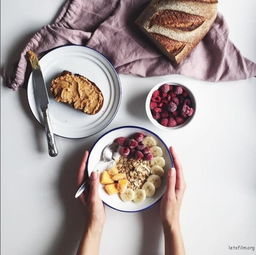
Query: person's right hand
[(172, 198)]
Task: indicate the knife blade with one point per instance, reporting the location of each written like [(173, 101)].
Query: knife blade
[(43, 101)]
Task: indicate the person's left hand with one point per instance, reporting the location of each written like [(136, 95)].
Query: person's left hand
[(90, 198)]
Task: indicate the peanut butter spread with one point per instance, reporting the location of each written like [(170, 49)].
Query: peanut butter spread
[(78, 91)]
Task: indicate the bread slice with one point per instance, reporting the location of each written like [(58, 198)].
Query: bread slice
[(177, 26), (78, 91)]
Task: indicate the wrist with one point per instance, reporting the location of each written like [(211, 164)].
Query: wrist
[(171, 228), (94, 228)]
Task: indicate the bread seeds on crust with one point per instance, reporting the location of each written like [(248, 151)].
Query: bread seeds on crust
[(78, 91)]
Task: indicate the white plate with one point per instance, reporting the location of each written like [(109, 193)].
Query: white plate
[(66, 121), (114, 201)]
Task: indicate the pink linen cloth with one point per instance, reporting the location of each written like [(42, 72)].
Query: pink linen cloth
[(108, 27)]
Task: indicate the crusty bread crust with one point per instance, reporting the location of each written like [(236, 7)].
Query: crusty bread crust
[(78, 91), (186, 21)]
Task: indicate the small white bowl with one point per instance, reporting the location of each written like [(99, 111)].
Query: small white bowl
[(148, 111), (114, 201)]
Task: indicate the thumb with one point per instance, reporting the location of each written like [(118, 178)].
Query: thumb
[(171, 182), (94, 184)]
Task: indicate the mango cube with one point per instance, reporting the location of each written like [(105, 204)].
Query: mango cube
[(111, 189), (113, 171), (105, 178), (118, 177), (122, 185)]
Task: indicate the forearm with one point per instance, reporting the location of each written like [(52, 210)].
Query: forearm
[(173, 240), (90, 242)]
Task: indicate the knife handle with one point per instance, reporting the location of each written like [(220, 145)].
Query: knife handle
[(52, 149)]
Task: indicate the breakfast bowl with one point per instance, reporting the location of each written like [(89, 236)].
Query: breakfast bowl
[(143, 170), (170, 105)]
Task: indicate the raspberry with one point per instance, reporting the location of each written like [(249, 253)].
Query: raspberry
[(132, 143), (185, 111), (164, 115), (164, 95), (153, 105), (124, 151), (146, 150), (178, 90), (179, 120), (191, 112), (141, 147), (165, 101), (164, 122), (173, 95), (138, 155), (156, 93), (156, 99), (172, 122), (175, 113), (156, 115), (185, 93), (139, 137), (120, 141), (172, 107), (176, 100), (157, 109), (165, 88), (148, 156)]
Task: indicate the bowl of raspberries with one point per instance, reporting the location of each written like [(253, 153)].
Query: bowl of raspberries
[(170, 105)]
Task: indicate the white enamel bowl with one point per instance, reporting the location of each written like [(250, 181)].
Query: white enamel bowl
[(148, 111), (114, 201)]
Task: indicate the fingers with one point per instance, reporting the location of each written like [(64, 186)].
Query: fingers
[(94, 184), (171, 183), (81, 171), (180, 182)]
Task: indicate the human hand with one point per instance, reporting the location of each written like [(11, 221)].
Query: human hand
[(172, 198), (91, 200)]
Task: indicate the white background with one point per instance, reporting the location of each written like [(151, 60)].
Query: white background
[(218, 148)]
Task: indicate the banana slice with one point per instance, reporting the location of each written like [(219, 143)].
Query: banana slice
[(127, 195), (149, 141), (139, 196), (160, 161), (155, 179), (149, 189), (158, 170), (156, 151)]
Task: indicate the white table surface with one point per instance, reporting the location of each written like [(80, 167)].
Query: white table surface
[(218, 148)]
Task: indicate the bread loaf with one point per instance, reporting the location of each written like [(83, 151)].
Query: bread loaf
[(177, 26), (78, 91)]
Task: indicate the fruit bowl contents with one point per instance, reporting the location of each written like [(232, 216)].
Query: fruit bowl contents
[(170, 105), (138, 172)]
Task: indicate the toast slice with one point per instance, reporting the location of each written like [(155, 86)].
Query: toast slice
[(78, 91)]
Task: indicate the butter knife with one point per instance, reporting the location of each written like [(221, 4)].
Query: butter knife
[(43, 101)]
